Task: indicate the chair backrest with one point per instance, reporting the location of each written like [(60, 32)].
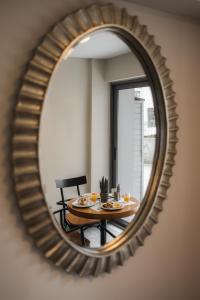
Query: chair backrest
[(70, 182), (64, 183)]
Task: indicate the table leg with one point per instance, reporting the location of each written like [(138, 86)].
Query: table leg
[(103, 232)]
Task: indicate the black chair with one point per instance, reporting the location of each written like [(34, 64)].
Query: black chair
[(70, 182), (68, 221)]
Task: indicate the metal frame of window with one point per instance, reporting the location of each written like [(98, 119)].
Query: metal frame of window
[(115, 88)]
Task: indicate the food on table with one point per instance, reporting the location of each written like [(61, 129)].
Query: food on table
[(107, 205), (112, 204), (116, 205), (83, 201)]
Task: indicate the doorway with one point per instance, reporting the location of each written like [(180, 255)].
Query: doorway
[(133, 134)]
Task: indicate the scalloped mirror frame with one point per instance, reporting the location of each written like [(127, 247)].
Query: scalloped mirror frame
[(25, 162)]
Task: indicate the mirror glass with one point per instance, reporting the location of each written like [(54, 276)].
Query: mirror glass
[(97, 121)]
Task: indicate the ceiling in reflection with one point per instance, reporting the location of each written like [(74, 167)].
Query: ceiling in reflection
[(101, 45)]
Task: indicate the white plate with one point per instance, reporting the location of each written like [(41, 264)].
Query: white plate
[(112, 208), (89, 204)]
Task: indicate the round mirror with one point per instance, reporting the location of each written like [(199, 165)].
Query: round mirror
[(92, 162), (98, 121)]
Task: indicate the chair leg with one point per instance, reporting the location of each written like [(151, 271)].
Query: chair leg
[(62, 222), (82, 237)]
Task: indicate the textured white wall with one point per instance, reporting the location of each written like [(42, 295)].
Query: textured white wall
[(167, 267)]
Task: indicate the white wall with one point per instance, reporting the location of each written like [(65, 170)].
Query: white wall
[(167, 267), (100, 124), (123, 67), (64, 150)]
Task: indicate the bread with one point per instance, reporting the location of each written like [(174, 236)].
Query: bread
[(82, 201)]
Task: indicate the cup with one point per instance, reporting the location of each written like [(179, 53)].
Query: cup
[(127, 197), (94, 197)]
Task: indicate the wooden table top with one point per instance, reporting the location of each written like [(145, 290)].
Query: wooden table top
[(90, 213)]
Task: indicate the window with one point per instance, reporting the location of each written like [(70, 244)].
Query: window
[(151, 117)]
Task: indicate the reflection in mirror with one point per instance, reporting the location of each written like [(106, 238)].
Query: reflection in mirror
[(98, 120)]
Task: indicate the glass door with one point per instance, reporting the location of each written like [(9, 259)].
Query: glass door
[(133, 135)]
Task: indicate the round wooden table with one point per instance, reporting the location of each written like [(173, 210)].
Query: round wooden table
[(104, 215)]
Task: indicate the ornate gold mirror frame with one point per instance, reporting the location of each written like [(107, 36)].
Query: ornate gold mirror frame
[(39, 223)]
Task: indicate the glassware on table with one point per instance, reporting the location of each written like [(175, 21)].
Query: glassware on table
[(94, 197), (127, 197), (113, 190)]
